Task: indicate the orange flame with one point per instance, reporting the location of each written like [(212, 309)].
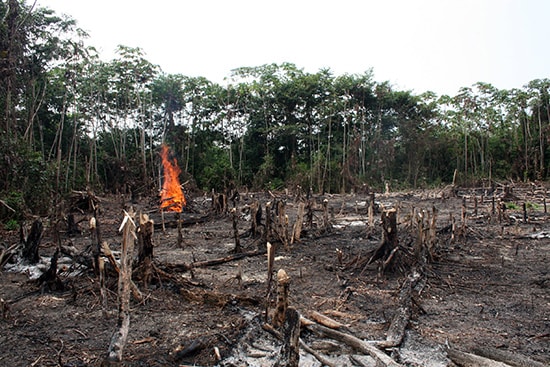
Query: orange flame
[(171, 196)]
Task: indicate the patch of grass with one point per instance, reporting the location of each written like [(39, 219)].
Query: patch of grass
[(533, 206), (11, 225), (512, 206)]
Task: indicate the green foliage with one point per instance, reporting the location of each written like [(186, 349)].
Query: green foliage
[(27, 178), (511, 206), (99, 124), (11, 225), (16, 203), (217, 173), (532, 206)]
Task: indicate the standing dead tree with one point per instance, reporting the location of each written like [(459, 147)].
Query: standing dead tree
[(118, 340)]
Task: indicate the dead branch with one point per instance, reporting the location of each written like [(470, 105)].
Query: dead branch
[(7, 206), (7, 253), (282, 223), (255, 217)]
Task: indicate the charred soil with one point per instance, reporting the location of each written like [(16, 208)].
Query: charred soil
[(484, 283)]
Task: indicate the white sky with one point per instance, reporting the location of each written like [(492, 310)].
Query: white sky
[(418, 45)]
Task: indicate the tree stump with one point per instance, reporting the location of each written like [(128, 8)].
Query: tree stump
[(290, 351), (145, 247), (32, 242), (256, 218), (238, 249), (72, 226), (386, 251)]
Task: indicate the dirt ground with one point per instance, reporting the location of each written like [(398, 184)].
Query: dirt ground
[(487, 286)]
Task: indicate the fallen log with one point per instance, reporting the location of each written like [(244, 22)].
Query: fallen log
[(213, 262), (354, 342), (396, 331), (463, 359), (507, 357)]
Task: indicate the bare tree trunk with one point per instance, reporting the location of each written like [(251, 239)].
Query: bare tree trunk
[(118, 340)]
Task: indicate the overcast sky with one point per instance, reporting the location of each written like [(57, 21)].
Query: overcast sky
[(418, 45)]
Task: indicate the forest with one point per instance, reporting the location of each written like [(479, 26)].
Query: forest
[(72, 121)]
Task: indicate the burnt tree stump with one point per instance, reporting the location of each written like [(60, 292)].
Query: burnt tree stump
[(50, 279), (290, 351), (72, 226), (386, 251), (145, 247), (32, 242), (256, 218)]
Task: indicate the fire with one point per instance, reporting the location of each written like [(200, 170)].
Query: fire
[(171, 196)]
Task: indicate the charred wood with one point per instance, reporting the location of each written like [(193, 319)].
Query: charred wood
[(464, 359), (290, 351), (32, 242), (354, 342), (512, 359), (72, 227), (213, 262), (50, 279), (283, 284)]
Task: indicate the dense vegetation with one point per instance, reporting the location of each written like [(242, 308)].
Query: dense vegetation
[(70, 120)]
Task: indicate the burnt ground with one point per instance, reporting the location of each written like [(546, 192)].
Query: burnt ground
[(486, 287)]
